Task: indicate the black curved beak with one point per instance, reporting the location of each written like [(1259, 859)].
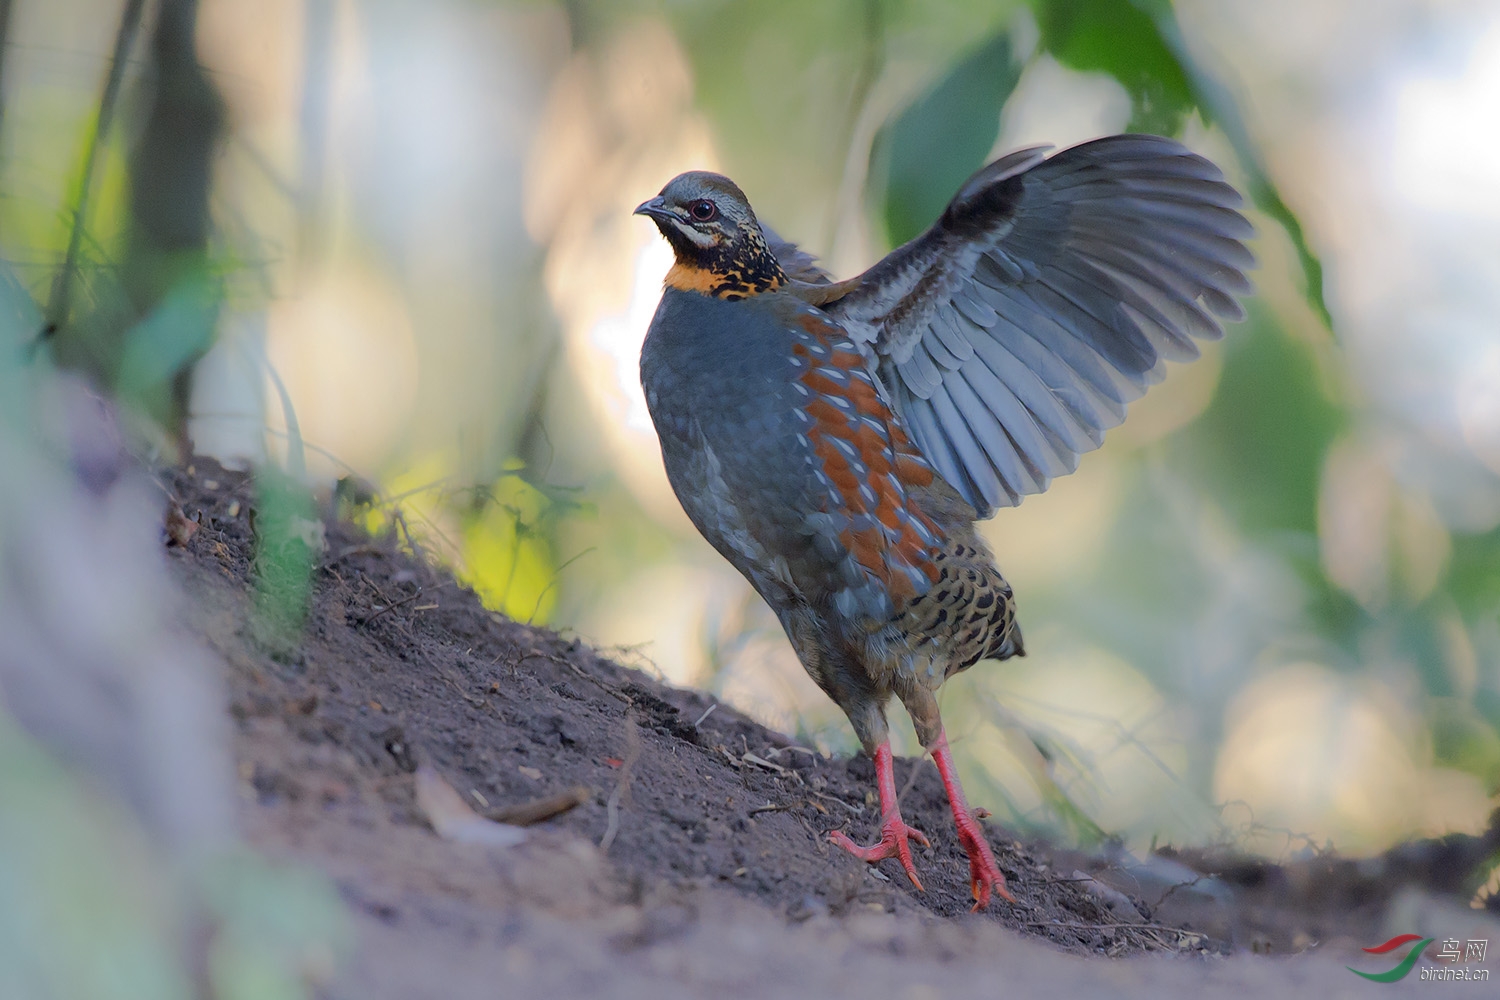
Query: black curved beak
[(655, 208)]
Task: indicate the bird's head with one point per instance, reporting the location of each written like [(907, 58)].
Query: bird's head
[(720, 248)]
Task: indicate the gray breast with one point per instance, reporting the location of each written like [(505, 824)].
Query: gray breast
[(717, 377)]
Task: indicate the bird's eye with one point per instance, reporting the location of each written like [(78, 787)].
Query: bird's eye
[(703, 210)]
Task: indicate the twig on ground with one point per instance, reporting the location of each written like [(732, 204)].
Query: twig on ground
[(1151, 928), (416, 550), (537, 810), (375, 587), (854, 810), (751, 758), (565, 662), (1181, 885), (396, 604), (632, 754)]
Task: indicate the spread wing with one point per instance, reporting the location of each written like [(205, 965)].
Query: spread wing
[(1012, 333)]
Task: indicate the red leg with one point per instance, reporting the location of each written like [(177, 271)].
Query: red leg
[(984, 874), (893, 829)]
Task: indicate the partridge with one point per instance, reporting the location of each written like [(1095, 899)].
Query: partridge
[(837, 440)]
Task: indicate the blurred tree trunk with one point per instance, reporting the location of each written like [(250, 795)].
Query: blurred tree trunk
[(167, 243), (4, 35), (312, 126)]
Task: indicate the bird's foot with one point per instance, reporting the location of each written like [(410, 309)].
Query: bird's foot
[(895, 837), (984, 874)]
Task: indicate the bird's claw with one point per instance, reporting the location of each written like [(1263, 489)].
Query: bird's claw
[(894, 843), (984, 874)]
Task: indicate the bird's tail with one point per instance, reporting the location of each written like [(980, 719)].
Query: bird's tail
[(1006, 643)]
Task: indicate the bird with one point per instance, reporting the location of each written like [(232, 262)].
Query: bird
[(837, 441)]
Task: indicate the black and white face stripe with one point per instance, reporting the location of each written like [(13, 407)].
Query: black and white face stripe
[(697, 232)]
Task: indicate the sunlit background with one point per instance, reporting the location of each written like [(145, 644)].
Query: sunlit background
[(1267, 611)]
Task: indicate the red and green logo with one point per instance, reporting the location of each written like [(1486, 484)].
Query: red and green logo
[(1405, 965)]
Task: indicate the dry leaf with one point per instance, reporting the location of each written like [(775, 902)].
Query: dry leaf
[(527, 813), (180, 527), (452, 818)]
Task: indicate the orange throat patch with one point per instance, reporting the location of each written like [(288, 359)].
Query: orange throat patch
[(731, 283)]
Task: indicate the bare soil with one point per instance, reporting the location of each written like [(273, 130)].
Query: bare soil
[(717, 877)]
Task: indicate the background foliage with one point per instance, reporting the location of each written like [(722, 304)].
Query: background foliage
[(392, 243)]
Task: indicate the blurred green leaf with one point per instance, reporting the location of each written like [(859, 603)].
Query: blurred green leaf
[(86, 909), (781, 79), (19, 322), (1217, 105), (1487, 704), (1259, 447), (509, 559), (1139, 43), (275, 926), (1119, 38), (1474, 574), (1251, 465), (924, 154), (59, 306), (174, 335), (288, 541), (1462, 739)]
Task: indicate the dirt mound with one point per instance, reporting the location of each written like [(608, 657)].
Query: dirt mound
[(400, 665), (714, 872)]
